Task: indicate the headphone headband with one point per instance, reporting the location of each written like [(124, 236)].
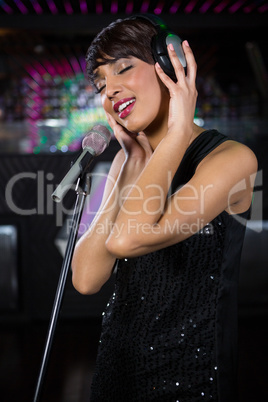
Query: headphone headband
[(160, 42)]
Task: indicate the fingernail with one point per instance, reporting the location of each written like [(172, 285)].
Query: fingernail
[(186, 43), (171, 47)]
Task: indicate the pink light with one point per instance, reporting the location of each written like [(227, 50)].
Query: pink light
[(114, 7), (221, 6), (159, 8), (83, 6), (249, 8), (52, 6), (99, 8), (263, 8), (204, 8), (68, 7), (174, 8), (190, 6), (21, 7), (37, 7), (236, 6), (145, 6), (129, 7), (41, 70), (50, 68), (75, 64)]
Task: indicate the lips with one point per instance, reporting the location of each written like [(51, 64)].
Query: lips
[(124, 107)]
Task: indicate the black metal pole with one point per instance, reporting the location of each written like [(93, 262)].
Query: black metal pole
[(82, 190)]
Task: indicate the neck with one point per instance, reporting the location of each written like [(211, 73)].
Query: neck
[(155, 136)]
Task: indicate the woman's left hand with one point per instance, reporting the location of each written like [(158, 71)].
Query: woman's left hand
[(183, 93)]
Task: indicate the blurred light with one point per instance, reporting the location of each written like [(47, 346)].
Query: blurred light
[(200, 122), (83, 6), (6, 7), (114, 7), (129, 7), (145, 6), (234, 7), (68, 7), (52, 6), (221, 6), (174, 8), (52, 123), (38, 9), (53, 148), (190, 6), (64, 148), (99, 8), (159, 8), (204, 8), (21, 7), (263, 8)]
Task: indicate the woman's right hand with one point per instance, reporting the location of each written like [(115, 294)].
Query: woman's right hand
[(135, 145)]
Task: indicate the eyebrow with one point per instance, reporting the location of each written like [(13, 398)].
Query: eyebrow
[(107, 61)]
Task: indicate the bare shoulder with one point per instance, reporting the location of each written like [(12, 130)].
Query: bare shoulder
[(233, 155)]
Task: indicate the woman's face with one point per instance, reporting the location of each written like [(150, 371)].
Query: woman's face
[(132, 93)]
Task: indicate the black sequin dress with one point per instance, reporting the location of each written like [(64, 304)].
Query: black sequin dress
[(170, 328)]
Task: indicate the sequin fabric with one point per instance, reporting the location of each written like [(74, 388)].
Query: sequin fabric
[(163, 338)]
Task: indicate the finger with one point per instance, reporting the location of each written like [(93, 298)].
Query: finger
[(190, 60), (163, 76), (178, 68)]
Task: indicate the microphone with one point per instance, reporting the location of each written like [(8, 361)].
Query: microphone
[(93, 144)]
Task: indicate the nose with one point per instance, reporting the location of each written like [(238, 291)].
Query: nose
[(113, 87)]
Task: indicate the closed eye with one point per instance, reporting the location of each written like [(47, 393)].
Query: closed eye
[(99, 90), (125, 69)]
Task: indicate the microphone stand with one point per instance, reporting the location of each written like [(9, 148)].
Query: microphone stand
[(82, 190)]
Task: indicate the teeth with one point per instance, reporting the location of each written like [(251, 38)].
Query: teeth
[(124, 105)]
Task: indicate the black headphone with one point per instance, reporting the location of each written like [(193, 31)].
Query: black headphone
[(159, 44)]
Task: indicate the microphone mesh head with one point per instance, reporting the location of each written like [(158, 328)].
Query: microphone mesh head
[(98, 139)]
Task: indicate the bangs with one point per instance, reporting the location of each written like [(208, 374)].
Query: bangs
[(121, 39)]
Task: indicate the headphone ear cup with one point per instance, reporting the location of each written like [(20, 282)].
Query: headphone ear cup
[(160, 52)]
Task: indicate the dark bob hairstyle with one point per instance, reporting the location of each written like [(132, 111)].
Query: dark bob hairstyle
[(120, 39)]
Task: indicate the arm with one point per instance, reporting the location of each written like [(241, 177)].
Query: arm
[(92, 262), (148, 213)]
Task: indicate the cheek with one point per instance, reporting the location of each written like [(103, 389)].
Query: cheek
[(106, 104)]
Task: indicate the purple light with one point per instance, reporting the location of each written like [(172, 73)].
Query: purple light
[(145, 6), (21, 7), (114, 7), (50, 68), (52, 6), (75, 64), (83, 6), (159, 8), (204, 8), (82, 62), (99, 8), (263, 8), (5, 7), (68, 7), (129, 7), (174, 8), (37, 7), (221, 6), (236, 6), (190, 6)]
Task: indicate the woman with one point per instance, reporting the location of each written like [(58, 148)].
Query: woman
[(172, 224)]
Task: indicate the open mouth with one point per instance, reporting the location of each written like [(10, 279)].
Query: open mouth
[(124, 107)]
